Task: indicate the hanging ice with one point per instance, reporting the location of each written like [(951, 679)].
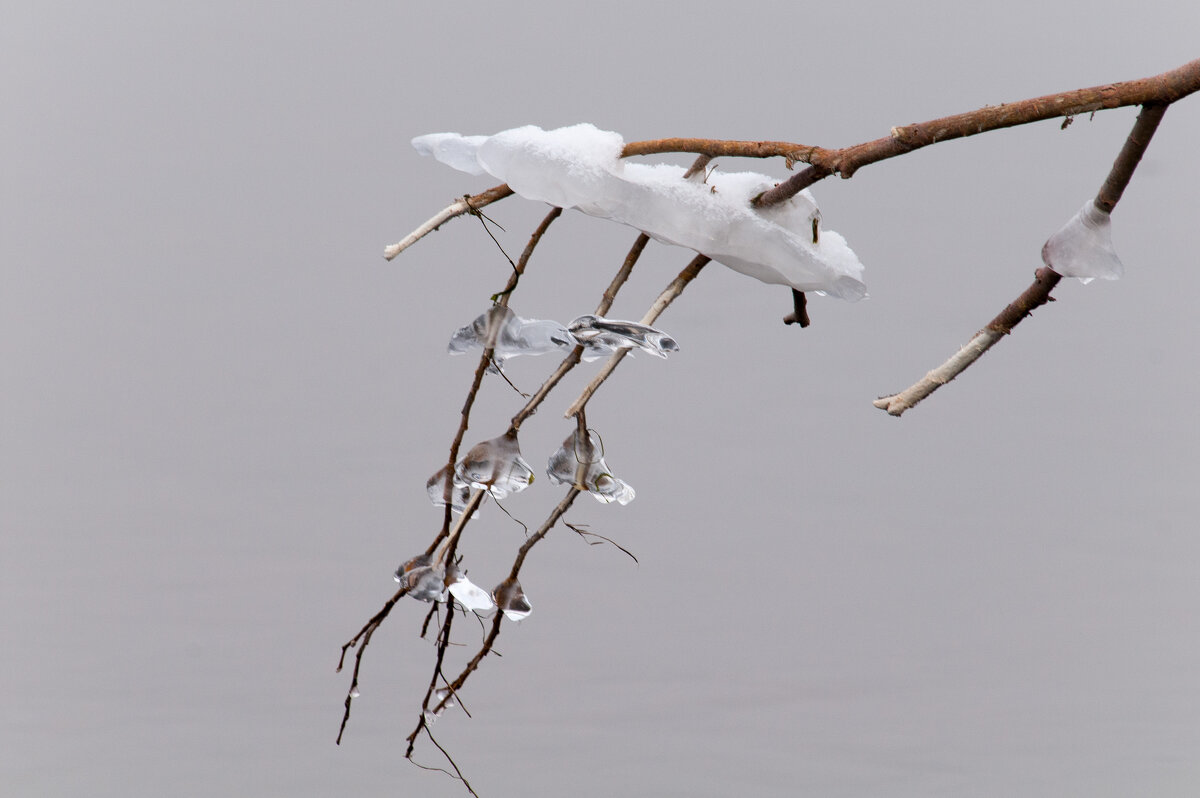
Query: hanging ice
[(510, 598), (435, 701), (467, 593), (602, 337), (1083, 247), (424, 580), (446, 488), (597, 479), (510, 335), (496, 466), (580, 167)]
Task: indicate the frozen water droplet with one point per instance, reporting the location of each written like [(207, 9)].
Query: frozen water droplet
[(602, 337), (1083, 247), (467, 593), (425, 582), (354, 692), (563, 469), (444, 487), (496, 466), (511, 600), (510, 335)]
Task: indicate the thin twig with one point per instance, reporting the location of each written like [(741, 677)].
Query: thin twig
[(1045, 278), (454, 209)]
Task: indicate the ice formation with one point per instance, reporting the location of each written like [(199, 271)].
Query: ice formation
[(446, 488), (580, 167), (496, 466), (1083, 247), (510, 598), (597, 479), (424, 580), (602, 337), (510, 335), (467, 593), (436, 698)]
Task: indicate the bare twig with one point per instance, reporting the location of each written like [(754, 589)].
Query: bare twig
[(454, 209), (1045, 278)]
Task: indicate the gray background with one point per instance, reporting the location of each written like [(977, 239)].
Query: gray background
[(219, 405)]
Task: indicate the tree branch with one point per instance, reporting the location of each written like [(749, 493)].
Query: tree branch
[(1045, 278)]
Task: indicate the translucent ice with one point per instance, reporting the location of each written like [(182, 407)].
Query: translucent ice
[(602, 337), (445, 488), (510, 598), (580, 167), (424, 580), (1083, 247), (435, 699), (510, 335), (496, 466), (467, 593), (597, 479)]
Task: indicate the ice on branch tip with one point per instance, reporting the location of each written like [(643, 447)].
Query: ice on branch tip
[(446, 488), (467, 593), (581, 167), (425, 580), (565, 464), (511, 600), (509, 335), (1083, 247), (602, 337), (496, 466)]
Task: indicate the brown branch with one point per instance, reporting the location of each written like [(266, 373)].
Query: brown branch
[(364, 635), (1045, 278), (466, 204), (1157, 90)]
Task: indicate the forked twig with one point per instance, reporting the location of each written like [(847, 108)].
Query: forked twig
[(1045, 278)]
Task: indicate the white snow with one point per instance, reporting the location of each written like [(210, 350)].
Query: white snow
[(1083, 247), (580, 167)]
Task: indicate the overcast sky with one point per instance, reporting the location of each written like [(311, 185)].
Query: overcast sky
[(219, 406)]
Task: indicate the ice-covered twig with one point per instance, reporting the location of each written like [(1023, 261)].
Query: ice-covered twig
[(665, 298), (457, 208), (1045, 279)]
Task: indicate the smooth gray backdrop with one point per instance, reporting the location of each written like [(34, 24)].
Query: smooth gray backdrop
[(219, 406)]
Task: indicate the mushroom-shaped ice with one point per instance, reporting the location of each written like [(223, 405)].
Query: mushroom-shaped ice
[(602, 337), (496, 465), (1083, 247), (597, 480)]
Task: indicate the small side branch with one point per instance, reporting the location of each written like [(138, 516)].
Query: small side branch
[(1034, 296), (451, 211), (1045, 278)]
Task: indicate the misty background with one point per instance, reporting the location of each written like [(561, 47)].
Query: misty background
[(219, 406)]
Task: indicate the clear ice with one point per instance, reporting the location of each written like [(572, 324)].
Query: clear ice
[(580, 167), (424, 580), (602, 337), (445, 488), (435, 699), (496, 466), (510, 335), (510, 598), (597, 479), (1083, 247)]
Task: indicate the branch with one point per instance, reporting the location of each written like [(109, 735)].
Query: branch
[(1158, 90), (454, 209), (1045, 278)]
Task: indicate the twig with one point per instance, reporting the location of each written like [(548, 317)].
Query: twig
[(454, 209), (1045, 278), (364, 635)]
